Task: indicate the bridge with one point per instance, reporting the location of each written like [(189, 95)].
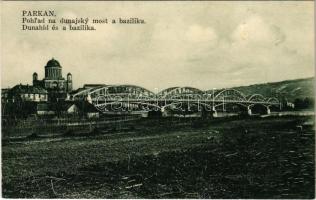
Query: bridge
[(120, 98)]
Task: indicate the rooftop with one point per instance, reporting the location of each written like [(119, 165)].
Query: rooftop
[(28, 89)]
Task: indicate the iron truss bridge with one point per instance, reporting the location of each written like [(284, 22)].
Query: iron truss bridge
[(135, 98)]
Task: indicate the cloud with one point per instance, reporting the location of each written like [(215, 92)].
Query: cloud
[(199, 34), (255, 31)]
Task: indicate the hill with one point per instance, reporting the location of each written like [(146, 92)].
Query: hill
[(289, 89)]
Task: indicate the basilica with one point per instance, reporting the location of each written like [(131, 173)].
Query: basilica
[(53, 80)]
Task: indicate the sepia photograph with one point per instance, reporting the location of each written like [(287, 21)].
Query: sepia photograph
[(157, 99)]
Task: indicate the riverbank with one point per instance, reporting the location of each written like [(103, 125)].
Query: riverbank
[(227, 158)]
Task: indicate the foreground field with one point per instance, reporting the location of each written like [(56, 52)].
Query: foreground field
[(231, 158)]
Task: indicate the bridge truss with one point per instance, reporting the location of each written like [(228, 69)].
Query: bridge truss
[(135, 98)]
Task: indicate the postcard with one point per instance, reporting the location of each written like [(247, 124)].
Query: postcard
[(158, 99)]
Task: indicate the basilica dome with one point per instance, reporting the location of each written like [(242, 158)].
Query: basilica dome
[(52, 63)]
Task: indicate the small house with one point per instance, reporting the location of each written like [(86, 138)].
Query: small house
[(88, 109)]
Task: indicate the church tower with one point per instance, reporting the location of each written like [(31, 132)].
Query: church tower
[(69, 82), (35, 78)]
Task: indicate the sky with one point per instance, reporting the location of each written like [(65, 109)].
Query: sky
[(198, 44)]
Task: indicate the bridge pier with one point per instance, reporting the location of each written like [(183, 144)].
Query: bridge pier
[(249, 111), (268, 111), (89, 99), (164, 112), (214, 112)]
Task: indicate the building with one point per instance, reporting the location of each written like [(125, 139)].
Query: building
[(21, 100), (27, 93), (44, 109), (87, 109), (86, 86), (4, 94), (59, 108), (47, 96), (53, 80)]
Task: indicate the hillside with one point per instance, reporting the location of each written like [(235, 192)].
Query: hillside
[(290, 89)]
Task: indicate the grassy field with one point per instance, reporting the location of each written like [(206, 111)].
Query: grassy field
[(169, 158)]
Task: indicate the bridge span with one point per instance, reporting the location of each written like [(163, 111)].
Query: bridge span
[(109, 98)]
